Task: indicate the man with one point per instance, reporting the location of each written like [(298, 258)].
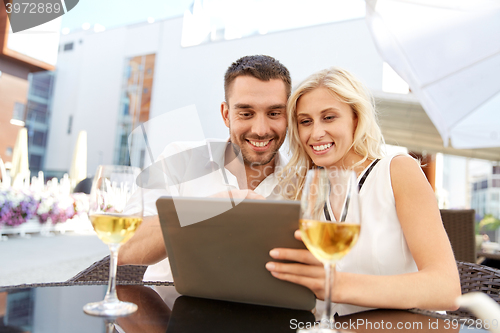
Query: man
[(256, 92)]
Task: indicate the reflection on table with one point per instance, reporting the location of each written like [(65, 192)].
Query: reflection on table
[(59, 309)]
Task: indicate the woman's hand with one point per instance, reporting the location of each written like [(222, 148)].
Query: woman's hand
[(308, 271)]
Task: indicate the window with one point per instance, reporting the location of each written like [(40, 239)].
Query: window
[(18, 113), (35, 161), (70, 124), (36, 112), (135, 101), (495, 183), (496, 170), (41, 84), (39, 138), (142, 158), (68, 47)]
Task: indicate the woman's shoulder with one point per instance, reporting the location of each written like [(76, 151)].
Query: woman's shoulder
[(398, 160), (402, 162), (397, 156), (405, 172)]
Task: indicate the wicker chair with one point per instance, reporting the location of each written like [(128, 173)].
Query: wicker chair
[(474, 277), (98, 273), (459, 225)]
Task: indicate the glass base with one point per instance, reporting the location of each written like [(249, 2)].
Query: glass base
[(110, 309), (321, 327), (318, 330)]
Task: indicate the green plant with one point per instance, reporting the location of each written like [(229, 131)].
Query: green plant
[(488, 223)]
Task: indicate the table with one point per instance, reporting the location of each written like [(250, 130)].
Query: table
[(58, 309), (494, 255)]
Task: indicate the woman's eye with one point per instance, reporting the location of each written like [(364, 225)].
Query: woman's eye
[(305, 122), (329, 117)]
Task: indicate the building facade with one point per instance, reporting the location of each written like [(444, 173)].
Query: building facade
[(37, 117), (485, 193), (130, 79), (109, 83), (22, 55)]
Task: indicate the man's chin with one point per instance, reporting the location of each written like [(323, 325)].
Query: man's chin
[(259, 161)]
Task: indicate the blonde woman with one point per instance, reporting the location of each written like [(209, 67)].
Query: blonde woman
[(403, 258)]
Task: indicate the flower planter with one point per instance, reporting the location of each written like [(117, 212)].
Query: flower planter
[(29, 227), (47, 205)]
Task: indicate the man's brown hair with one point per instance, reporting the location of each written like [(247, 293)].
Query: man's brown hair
[(261, 67)]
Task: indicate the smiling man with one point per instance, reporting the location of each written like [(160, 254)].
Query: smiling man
[(256, 92), (256, 89)]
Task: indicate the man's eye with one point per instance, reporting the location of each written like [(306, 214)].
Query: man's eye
[(275, 114), (246, 114)]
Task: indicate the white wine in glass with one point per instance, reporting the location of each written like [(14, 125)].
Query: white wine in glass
[(329, 225), (116, 210)]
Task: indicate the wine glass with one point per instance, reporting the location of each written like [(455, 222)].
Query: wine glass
[(329, 224), (115, 216)]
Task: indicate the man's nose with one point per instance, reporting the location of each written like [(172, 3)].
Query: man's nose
[(261, 126)]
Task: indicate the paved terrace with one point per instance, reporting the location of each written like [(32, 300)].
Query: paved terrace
[(55, 258)]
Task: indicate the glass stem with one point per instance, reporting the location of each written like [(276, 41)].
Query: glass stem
[(110, 326), (327, 319), (111, 296)]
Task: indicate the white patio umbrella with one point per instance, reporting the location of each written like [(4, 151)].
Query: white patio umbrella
[(20, 169), (448, 51), (78, 170), (3, 172)]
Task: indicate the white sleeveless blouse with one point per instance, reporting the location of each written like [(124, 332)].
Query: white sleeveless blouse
[(381, 248)]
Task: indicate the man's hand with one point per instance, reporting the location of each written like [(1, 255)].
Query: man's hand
[(146, 247), (308, 271)]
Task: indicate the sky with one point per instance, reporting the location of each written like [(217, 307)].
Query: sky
[(268, 15), (113, 13)]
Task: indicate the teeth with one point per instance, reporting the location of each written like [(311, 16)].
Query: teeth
[(322, 147), (259, 144)]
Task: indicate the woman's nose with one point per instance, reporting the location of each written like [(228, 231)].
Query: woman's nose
[(318, 131)]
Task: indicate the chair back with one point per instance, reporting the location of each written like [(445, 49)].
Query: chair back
[(459, 225), (99, 272), (474, 277)]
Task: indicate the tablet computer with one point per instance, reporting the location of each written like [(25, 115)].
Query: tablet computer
[(223, 256)]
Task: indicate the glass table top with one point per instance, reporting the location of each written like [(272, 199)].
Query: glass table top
[(59, 309)]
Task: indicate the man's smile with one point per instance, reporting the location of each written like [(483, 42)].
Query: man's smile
[(259, 145)]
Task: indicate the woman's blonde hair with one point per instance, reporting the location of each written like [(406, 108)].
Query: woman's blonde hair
[(368, 137)]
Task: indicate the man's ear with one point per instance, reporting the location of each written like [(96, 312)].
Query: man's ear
[(224, 110)]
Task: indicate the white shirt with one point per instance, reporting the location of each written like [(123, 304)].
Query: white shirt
[(381, 248), (195, 169)]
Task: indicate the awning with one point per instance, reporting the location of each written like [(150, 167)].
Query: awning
[(405, 123)]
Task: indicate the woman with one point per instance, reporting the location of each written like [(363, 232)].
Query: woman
[(403, 258)]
